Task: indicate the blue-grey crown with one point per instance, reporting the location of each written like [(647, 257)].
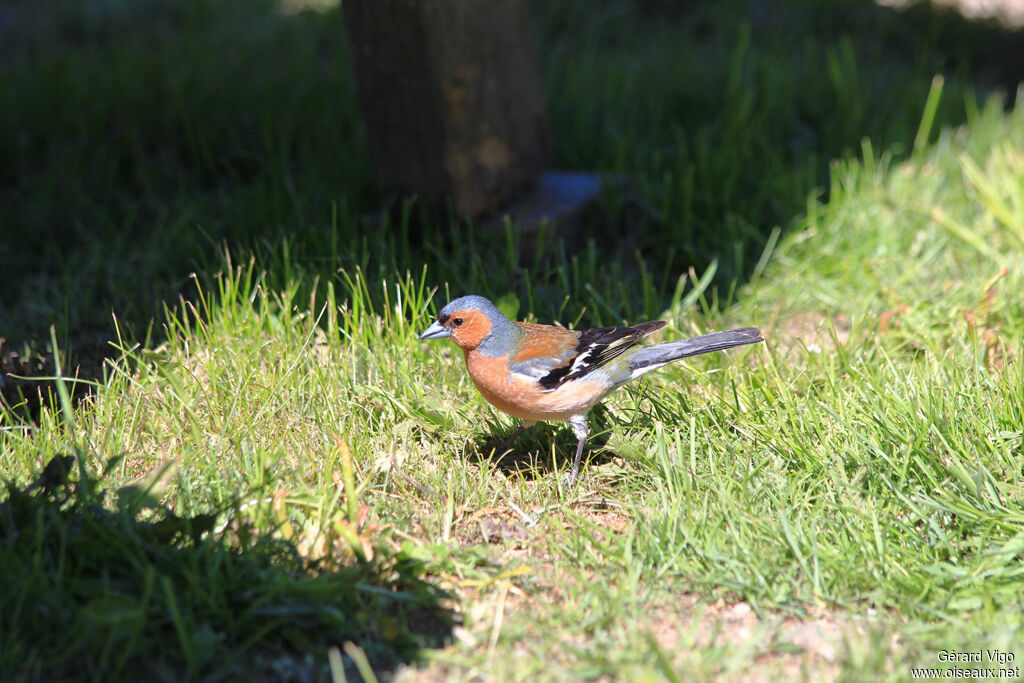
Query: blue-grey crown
[(504, 333), (470, 302)]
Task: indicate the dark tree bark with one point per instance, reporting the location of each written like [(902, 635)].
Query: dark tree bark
[(452, 97)]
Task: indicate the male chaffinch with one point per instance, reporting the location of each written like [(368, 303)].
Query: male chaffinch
[(541, 372)]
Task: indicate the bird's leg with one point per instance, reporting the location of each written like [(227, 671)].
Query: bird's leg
[(581, 430), (526, 424)]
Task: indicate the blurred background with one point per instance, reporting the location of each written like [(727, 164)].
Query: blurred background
[(141, 142), (280, 466)]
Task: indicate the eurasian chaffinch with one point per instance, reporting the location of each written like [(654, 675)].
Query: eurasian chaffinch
[(541, 372)]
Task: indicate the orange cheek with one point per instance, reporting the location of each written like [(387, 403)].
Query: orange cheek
[(472, 331)]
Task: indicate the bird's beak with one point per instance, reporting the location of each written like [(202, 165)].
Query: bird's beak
[(435, 331)]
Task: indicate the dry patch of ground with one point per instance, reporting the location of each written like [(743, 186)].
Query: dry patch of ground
[(722, 638), (1009, 13), (810, 330)]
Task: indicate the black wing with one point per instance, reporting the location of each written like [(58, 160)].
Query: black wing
[(596, 347)]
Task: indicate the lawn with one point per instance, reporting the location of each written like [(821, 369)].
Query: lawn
[(249, 468)]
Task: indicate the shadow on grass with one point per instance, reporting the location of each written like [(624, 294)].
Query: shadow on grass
[(135, 592), (141, 138), (531, 456), (138, 139)]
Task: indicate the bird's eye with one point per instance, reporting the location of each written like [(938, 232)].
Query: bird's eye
[(456, 321)]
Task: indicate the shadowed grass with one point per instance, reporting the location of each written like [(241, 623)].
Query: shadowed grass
[(142, 137), (861, 472), (840, 502)]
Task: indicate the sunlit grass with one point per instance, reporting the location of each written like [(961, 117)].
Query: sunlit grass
[(279, 469), (870, 470)]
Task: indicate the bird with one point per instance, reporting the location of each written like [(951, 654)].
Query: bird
[(542, 372)]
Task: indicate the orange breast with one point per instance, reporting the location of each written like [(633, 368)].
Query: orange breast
[(522, 397)]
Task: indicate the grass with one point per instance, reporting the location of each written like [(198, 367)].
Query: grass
[(277, 480)]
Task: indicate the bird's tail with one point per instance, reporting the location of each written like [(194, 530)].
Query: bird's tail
[(652, 357)]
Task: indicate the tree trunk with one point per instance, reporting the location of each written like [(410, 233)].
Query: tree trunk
[(452, 97)]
